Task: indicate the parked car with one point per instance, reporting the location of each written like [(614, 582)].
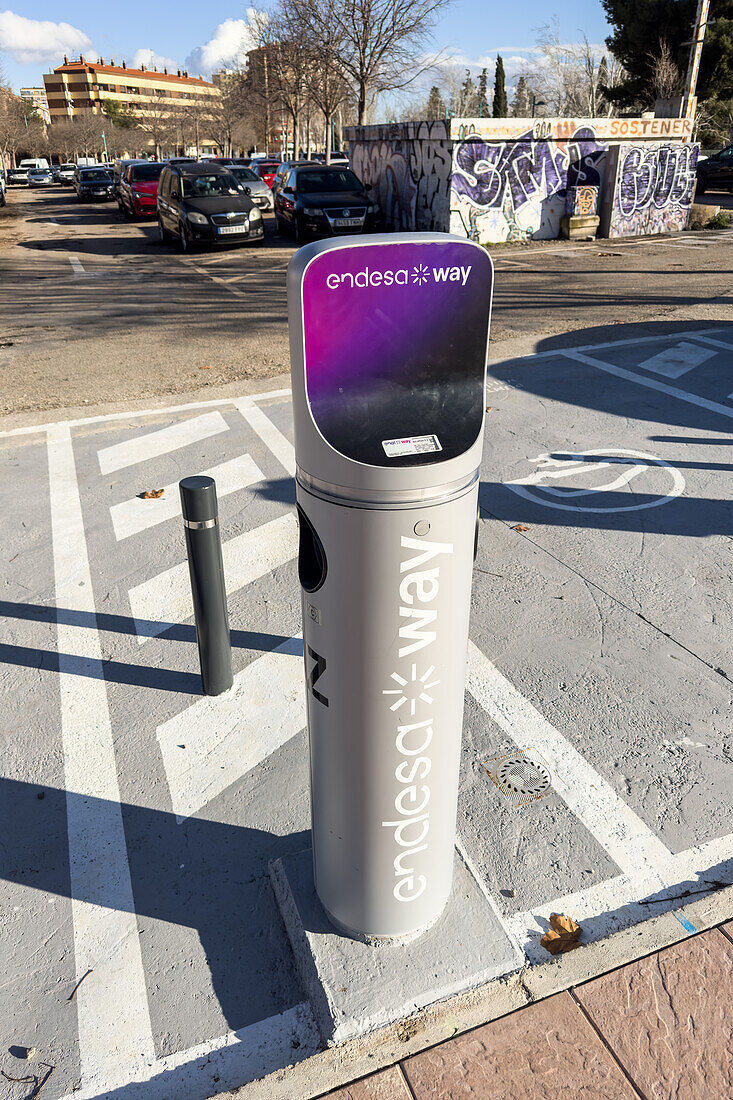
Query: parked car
[(63, 173), (243, 161), (259, 192), (3, 200), (40, 177), (327, 200), (265, 169), (119, 167), (17, 176), (34, 162), (137, 190), (205, 203), (284, 168), (336, 158), (715, 173), (94, 184)]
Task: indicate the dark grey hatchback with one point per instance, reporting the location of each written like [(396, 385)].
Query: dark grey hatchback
[(202, 202), (324, 200)]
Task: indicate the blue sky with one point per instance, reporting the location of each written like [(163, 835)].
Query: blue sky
[(33, 38)]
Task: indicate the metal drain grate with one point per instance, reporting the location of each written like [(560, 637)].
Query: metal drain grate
[(521, 777)]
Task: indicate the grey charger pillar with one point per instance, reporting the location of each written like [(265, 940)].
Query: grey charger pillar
[(206, 568), (389, 339)]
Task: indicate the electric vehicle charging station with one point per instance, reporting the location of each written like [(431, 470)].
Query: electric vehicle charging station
[(389, 340)]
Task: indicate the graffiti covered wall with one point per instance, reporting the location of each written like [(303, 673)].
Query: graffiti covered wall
[(407, 168), (507, 179), (649, 188), (515, 189)]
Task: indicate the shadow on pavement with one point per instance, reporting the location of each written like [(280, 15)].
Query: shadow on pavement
[(201, 874)]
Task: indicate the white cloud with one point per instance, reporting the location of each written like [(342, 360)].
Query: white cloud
[(228, 46), (31, 40), (152, 60)]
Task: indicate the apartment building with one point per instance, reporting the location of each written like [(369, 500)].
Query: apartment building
[(37, 97), (80, 87)]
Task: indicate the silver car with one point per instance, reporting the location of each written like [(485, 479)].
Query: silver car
[(259, 192), (40, 177)]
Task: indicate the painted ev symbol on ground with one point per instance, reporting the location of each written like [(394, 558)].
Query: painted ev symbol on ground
[(610, 470)]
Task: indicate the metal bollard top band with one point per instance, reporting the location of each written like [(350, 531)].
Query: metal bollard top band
[(198, 499)]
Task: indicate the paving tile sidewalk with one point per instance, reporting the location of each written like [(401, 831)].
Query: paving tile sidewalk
[(657, 1028)]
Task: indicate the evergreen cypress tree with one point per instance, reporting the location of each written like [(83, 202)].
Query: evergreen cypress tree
[(483, 95), (501, 107), (521, 103), (435, 107)]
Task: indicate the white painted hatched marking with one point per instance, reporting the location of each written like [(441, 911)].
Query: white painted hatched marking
[(208, 1069), (650, 383), (676, 361), (629, 842), (76, 265), (161, 442), (111, 1003), (271, 436), (129, 517), (619, 900), (165, 599), (228, 735)]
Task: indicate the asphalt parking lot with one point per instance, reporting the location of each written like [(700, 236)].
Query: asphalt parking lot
[(140, 818)]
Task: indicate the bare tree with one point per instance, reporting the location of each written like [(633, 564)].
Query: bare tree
[(288, 51), (379, 44), (666, 77)]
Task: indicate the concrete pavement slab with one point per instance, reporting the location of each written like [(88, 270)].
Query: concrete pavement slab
[(388, 1085), (667, 1018), (357, 987)]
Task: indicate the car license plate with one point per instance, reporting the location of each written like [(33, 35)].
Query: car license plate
[(347, 222), (233, 228), (98, 191)]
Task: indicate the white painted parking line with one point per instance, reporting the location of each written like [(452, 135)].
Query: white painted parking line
[(619, 901), (208, 1069), (271, 436), (165, 599), (628, 841), (678, 360), (715, 343), (129, 517), (133, 414), (111, 1004), (162, 442), (650, 383), (218, 740), (76, 266)]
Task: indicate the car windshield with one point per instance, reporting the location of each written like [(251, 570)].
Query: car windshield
[(268, 167), (95, 175), (313, 182), (244, 175), (38, 172), (206, 186), (145, 173)]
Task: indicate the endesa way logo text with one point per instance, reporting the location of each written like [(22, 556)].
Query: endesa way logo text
[(412, 684), (421, 275)]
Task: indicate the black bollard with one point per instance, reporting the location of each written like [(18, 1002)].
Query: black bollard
[(203, 543)]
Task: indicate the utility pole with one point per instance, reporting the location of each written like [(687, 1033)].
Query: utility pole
[(693, 67)]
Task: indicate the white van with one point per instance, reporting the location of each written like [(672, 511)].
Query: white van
[(34, 162)]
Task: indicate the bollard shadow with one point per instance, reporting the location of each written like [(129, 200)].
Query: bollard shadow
[(204, 875), (124, 624), (279, 489), (116, 672)]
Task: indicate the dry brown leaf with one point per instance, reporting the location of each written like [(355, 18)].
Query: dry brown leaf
[(489, 408), (520, 527), (207, 366), (152, 494), (562, 936)]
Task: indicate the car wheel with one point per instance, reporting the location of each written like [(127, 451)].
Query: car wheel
[(163, 235), (279, 226), (184, 242)]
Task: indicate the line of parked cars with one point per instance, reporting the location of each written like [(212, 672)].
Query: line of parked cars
[(224, 198)]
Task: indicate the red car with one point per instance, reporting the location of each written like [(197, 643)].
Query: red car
[(137, 192), (265, 169)]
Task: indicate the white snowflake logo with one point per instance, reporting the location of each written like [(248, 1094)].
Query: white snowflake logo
[(409, 691), (420, 274)]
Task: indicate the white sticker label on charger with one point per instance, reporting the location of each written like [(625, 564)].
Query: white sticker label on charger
[(414, 445)]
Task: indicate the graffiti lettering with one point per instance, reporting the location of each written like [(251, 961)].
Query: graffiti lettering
[(654, 187)]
